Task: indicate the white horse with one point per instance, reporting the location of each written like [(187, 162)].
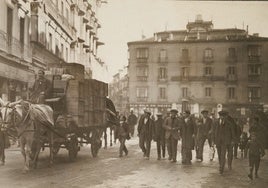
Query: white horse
[(31, 122)]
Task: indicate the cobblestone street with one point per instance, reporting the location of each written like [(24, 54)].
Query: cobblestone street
[(108, 170)]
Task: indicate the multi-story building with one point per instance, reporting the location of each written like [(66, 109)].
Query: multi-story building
[(200, 67), (15, 49), (118, 91), (38, 34)]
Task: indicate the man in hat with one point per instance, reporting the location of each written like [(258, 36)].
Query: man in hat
[(145, 133), (41, 88), (172, 135), (188, 132), (132, 121), (204, 131), (223, 138), (159, 136)]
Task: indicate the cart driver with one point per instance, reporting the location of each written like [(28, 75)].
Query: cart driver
[(41, 88)]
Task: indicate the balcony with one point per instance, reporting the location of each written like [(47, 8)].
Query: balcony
[(142, 78), (253, 59), (231, 78), (161, 79), (208, 60), (14, 47), (142, 60), (198, 78), (231, 59), (185, 60), (254, 78), (142, 99), (163, 60)]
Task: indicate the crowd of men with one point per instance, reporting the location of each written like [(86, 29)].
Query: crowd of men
[(224, 133)]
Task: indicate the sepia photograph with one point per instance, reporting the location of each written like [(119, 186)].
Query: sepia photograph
[(133, 94)]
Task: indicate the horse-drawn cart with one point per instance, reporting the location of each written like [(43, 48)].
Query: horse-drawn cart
[(79, 110)]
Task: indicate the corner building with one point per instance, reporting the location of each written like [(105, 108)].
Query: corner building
[(200, 67)]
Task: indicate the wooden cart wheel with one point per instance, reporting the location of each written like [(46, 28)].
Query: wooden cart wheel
[(73, 149)]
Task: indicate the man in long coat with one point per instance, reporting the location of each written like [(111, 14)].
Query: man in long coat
[(132, 121), (159, 136), (188, 131), (223, 138), (145, 133), (204, 131), (172, 135)]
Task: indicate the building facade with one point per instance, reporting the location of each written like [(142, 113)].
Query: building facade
[(39, 34), (118, 91), (200, 67)]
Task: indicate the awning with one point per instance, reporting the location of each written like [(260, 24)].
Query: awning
[(14, 73)]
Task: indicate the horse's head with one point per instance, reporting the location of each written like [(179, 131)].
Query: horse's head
[(7, 113)]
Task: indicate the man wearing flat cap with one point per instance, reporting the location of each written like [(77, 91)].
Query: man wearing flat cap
[(223, 137), (204, 131), (145, 133), (188, 135), (172, 127), (159, 136)]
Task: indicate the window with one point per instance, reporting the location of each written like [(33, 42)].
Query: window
[(231, 93), (22, 23), (57, 48), (162, 73), (185, 72), (50, 42), (208, 92), (208, 71), (9, 23), (162, 93), (231, 52), (254, 93), (231, 71), (254, 69), (62, 8), (163, 54), (142, 92), (66, 55), (185, 53), (142, 53), (67, 14), (254, 50), (142, 71), (208, 53), (184, 92), (62, 51)]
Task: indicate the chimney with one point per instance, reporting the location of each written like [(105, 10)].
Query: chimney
[(255, 34), (198, 18), (155, 37)]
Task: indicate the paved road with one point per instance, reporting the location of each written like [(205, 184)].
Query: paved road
[(108, 170)]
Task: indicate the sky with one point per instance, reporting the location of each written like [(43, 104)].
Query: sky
[(124, 21)]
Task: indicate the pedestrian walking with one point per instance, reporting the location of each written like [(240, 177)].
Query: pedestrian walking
[(223, 138), (243, 144), (159, 136), (172, 128), (256, 151), (132, 121), (204, 132), (4, 142), (122, 134), (145, 133), (188, 131)]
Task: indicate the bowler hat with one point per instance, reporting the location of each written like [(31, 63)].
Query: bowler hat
[(204, 111), (174, 110), (187, 112), (222, 113)]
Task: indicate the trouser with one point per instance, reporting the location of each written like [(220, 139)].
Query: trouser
[(161, 145), (145, 145), (221, 150), (172, 148), (186, 154), (122, 147), (254, 162), (200, 146), (235, 148), (132, 129), (2, 147)]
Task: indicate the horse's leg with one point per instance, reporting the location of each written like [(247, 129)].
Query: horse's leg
[(111, 138), (23, 152), (51, 153), (2, 154), (105, 138), (36, 155)]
